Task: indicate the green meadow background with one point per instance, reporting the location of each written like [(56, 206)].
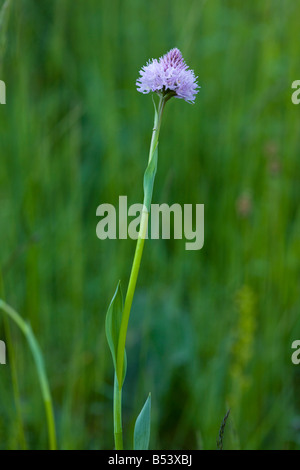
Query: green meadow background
[(210, 330)]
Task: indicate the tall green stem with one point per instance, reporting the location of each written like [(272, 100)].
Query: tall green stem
[(148, 189), (118, 432), (140, 242)]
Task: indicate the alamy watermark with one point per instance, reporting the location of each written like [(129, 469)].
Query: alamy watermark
[(2, 352), (160, 222), (296, 354), (2, 92), (296, 94)]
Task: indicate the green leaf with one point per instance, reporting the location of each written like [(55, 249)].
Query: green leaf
[(149, 177), (155, 111), (112, 326), (142, 427), (150, 171)]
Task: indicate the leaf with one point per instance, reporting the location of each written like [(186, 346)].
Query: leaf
[(155, 112), (112, 326), (150, 171), (149, 177), (142, 427)]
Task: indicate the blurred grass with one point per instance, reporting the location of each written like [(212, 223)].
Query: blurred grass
[(210, 330)]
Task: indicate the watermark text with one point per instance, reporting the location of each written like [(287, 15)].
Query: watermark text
[(188, 222), (296, 94), (2, 92), (296, 354), (2, 352)]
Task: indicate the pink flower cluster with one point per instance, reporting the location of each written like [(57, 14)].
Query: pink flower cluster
[(169, 74)]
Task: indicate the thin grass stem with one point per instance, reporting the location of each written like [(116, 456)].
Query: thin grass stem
[(39, 362)]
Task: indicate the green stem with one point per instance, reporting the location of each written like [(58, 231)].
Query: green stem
[(139, 246), (38, 358), (157, 125), (118, 416)]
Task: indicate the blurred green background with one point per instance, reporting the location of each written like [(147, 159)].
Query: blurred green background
[(211, 329)]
